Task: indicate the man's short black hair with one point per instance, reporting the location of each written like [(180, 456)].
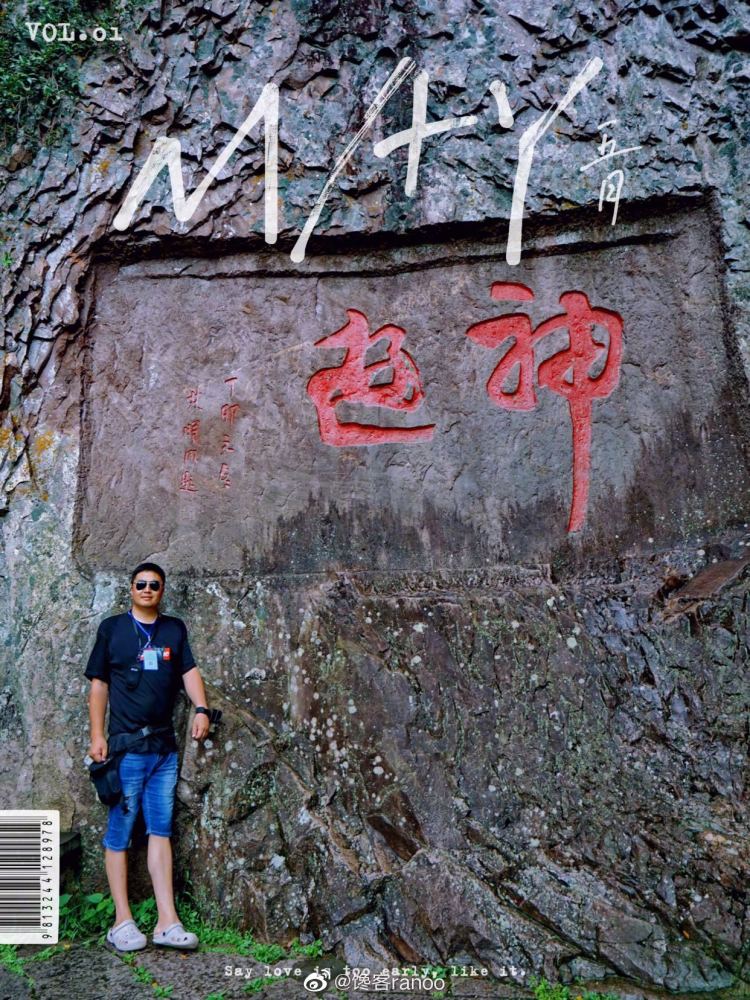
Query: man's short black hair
[(151, 568)]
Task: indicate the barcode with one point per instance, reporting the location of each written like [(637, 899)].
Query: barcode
[(29, 876)]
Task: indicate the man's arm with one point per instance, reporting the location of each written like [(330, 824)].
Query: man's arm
[(98, 697), (196, 692)]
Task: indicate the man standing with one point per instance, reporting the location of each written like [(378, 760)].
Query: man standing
[(137, 663)]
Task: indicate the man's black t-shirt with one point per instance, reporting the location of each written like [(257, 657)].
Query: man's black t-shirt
[(142, 691)]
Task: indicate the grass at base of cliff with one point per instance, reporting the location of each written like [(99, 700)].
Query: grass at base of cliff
[(86, 918), (231, 940), (10, 959), (544, 990)]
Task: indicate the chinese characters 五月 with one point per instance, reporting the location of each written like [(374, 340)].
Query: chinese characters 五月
[(611, 186)]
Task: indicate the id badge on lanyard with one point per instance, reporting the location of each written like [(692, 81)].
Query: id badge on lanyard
[(149, 656), (150, 659)]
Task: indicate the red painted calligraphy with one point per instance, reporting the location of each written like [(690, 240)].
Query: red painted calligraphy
[(567, 372), (229, 412), (192, 431), (352, 380), (186, 483)]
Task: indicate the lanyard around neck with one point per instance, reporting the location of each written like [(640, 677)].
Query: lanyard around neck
[(149, 635)]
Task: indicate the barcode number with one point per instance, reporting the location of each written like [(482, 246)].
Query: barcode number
[(29, 876)]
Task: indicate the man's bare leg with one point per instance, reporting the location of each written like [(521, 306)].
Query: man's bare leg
[(116, 864), (160, 870)]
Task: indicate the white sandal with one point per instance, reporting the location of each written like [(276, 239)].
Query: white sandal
[(175, 936), (126, 936)]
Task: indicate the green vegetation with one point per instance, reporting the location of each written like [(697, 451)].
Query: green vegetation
[(438, 972), (256, 985), (544, 990), (39, 80), (85, 917), (45, 953), (217, 935), (10, 959), (141, 973), (13, 963), (88, 911), (434, 971), (314, 950)]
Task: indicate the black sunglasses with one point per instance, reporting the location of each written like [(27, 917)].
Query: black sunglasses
[(151, 584)]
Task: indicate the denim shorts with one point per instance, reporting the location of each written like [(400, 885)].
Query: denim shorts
[(148, 782)]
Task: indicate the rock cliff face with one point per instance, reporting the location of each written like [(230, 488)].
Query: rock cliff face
[(485, 763), (452, 726)]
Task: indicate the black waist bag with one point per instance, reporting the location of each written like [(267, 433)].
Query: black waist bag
[(106, 780), (105, 773)]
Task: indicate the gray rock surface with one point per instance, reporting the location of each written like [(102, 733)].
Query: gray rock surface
[(426, 751), (84, 973), (526, 771), (487, 484), (87, 972)]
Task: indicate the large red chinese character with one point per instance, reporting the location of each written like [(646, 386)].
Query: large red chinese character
[(351, 382), (567, 372)]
